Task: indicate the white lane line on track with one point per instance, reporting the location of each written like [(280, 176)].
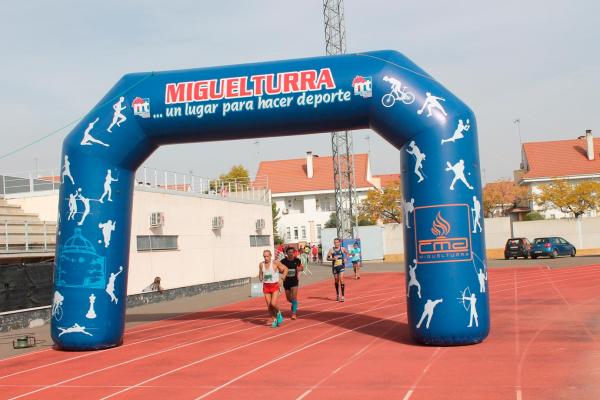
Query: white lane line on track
[(286, 355), (57, 384), (363, 296), (437, 352), (570, 307), (516, 312), (350, 360), (150, 326), (212, 356), (92, 353), (509, 281), (520, 366), (200, 316), (200, 341)]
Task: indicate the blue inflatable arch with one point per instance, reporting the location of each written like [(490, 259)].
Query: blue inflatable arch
[(446, 274)]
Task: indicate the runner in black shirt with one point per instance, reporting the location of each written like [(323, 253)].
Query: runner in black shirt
[(338, 255), (290, 284)]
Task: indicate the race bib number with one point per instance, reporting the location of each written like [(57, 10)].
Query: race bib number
[(338, 262), (291, 273), (268, 277)]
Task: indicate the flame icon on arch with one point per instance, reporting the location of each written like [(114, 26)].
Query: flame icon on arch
[(440, 226)]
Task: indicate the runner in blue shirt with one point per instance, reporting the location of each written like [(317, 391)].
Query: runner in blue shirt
[(356, 256)]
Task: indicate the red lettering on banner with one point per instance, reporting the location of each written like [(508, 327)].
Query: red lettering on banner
[(271, 89), (174, 93), (212, 92), (258, 81), (290, 82), (232, 87), (244, 91), (325, 78), (246, 86), (308, 80)]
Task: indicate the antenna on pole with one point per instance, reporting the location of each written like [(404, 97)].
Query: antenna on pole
[(341, 142), (518, 123)]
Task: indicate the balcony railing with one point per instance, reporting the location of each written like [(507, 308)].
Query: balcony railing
[(24, 236), (234, 189)]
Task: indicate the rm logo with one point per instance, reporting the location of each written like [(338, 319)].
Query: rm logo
[(442, 233)]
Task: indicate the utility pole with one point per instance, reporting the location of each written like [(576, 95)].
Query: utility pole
[(518, 123), (341, 142)]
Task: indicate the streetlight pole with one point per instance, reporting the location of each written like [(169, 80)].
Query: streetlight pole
[(518, 123)]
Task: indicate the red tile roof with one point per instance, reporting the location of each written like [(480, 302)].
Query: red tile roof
[(287, 176), (387, 179), (560, 158)]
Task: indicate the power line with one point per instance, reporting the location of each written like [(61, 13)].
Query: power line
[(54, 132)]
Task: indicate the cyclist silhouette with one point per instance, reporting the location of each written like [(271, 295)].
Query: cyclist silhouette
[(397, 93), (57, 302)]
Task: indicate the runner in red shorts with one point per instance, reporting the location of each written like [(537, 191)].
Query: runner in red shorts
[(269, 273)]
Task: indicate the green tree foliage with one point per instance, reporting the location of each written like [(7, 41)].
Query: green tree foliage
[(276, 217), (533, 216), (384, 205), (237, 179), (570, 198), (332, 221)]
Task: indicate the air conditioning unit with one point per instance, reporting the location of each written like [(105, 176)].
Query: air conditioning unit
[(217, 223), (157, 219), (260, 224)]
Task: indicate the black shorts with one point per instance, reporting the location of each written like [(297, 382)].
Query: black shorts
[(355, 262), (290, 283), (338, 270)]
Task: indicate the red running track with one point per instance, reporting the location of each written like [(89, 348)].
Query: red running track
[(543, 345)]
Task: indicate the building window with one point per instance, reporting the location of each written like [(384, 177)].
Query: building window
[(295, 232), (303, 232), (288, 233), (319, 229), (324, 204), (157, 242), (260, 240)]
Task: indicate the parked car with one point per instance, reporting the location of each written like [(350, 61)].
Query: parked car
[(517, 247), (551, 247)]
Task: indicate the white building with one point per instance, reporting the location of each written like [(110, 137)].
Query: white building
[(303, 190), (173, 230), (572, 160)]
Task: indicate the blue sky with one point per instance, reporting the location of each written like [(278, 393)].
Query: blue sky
[(533, 60)]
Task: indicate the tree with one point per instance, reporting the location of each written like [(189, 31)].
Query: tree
[(503, 195), (384, 205), (570, 198), (237, 178), (332, 221), (365, 221), (533, 216), (275, 215)]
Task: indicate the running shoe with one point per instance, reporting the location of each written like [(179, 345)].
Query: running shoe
[(293, 316), (342, 299), (274, 324), (279, 319), (337, 298)]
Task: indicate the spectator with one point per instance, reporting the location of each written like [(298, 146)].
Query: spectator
[(154, 286)]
